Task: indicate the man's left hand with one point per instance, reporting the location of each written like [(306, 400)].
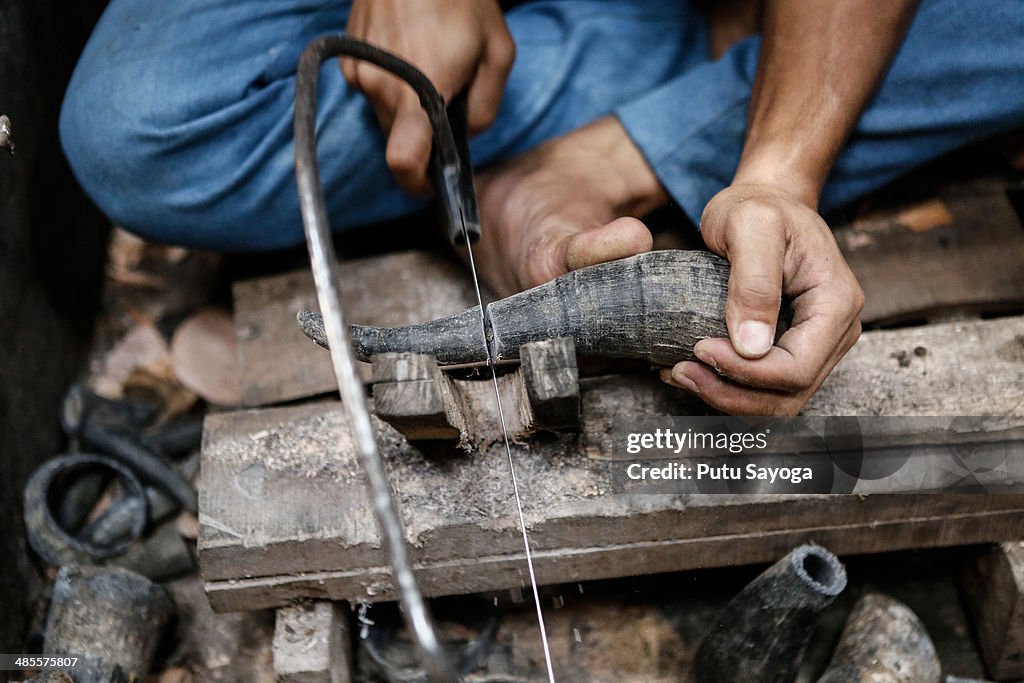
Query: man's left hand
[(777, 246)]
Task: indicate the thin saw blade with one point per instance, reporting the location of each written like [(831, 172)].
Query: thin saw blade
[(485, 338)]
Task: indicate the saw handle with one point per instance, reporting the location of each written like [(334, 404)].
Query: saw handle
[(450, 170), (453, 181)]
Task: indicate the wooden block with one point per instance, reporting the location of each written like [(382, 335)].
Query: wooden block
[(412, 395), (552, 382), (963, 250), (994, 584), (277, 363), (311, 644)]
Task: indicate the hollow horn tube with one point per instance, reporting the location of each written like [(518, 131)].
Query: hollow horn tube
[(761, 634)]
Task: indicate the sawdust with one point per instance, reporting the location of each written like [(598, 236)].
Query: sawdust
[(315, 446), (441, 485), (477, 486), (599, 640)]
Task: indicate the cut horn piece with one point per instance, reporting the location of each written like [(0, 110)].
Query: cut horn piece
[(884, 641), (111, 619), (761, 635), (652, 307)]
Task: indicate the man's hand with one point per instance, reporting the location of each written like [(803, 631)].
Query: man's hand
[(819, 64), (564, 205), (459, 44), (775, 244)]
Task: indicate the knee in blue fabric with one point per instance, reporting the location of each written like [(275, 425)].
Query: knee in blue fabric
[(178, 123), (204, 180)]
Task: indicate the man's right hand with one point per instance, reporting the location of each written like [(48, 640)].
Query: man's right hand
[(459, 45)]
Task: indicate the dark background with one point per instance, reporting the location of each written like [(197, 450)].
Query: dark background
[(52, 246)]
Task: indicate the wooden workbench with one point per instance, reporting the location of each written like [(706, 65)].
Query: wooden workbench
[(284, 512)]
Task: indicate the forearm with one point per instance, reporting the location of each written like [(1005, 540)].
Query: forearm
[(820, 62)]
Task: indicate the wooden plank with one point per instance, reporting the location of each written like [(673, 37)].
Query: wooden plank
[(267, 475), (284, 511), (961, 368), (277, 363), (961, 251), (994, 584), (909, 525)]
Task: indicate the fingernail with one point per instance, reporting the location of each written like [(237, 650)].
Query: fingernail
[(705, 357), (685, 382), (754, 337)]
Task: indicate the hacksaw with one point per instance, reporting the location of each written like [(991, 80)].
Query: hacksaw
[(452, 176)]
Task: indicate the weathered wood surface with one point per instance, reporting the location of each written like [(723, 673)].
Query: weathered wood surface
[(412, 395), (318, 538), (552, 382), (994, 584), (312, 643), (285, 512), (292, 520), (277, 363), (963, 250), (961, 368)]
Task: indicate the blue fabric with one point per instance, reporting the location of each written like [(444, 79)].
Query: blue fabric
[(958, 78), (178, 118)]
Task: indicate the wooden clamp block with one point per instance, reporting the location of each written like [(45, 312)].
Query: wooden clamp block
[(311, 644), (552, 382), (419, 399), (414, 396), (994, 584)]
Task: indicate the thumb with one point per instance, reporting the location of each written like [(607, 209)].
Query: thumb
[(621, 238), (409, 144), (756, 255)]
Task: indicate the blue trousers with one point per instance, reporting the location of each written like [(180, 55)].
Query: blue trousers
[(178, 119)]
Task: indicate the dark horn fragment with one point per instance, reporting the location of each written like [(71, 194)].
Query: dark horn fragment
[(110, 618), (454, 339), (883, 641), (761, 635)]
